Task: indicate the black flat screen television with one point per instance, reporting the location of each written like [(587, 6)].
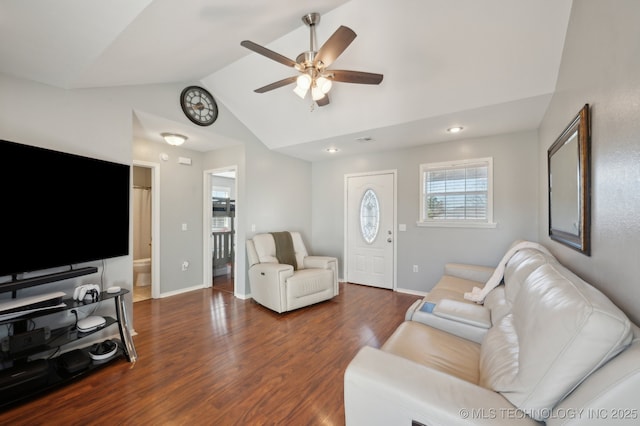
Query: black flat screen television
[(60, 209)]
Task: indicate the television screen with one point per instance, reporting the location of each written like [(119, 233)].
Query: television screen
[(60, 209)]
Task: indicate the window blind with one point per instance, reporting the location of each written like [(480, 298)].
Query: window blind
[(456, 192)]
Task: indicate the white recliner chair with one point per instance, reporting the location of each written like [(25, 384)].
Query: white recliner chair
[(281, 287)]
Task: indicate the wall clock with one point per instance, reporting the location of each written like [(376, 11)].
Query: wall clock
[(198, 105)]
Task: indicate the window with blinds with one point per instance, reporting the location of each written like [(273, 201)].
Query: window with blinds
[(457, 193)]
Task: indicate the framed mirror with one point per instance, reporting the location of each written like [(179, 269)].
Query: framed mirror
[(569, 178)]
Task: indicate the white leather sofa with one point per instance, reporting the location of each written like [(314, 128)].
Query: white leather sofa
[(281, 287), (555, 350)]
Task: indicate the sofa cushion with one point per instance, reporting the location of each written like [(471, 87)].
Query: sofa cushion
[(496, 303), (450, 287), (560, 330), (435, 349), (519, 267), (299, 248), (265, 248)]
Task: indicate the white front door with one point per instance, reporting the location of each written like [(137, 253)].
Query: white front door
[(370, 222)]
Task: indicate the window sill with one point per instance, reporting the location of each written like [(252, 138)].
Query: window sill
[(456, 224)]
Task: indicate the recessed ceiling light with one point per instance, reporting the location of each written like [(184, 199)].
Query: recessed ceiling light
[(332, 150), (364, 139), (456, 129)]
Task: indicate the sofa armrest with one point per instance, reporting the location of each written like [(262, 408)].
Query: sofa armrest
[(381, 388), (279, 271), (477, 273), (457, 328), (267, 280), (466, 313), (320, 262), (609, 394), (324, 262)]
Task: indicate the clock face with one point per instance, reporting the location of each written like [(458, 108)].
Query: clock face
[(199, 106)]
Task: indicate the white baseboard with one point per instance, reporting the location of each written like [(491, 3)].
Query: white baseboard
[(414, 292), (182, 290)]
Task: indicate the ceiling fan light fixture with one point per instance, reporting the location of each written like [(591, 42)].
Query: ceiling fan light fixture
[(174, 139), (324, 84), (304, 81), (316, 93), (300, 91)]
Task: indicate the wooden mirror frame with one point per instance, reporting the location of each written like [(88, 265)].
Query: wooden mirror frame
[(580, 127)]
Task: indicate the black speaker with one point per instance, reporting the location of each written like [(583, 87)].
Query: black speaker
[(74, 361)]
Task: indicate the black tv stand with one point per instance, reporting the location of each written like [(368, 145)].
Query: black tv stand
[(27, 374)]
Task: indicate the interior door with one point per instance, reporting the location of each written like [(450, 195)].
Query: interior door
[(370, 217)]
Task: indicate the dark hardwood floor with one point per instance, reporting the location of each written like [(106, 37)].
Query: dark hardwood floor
[(223, 283), (206, 357)]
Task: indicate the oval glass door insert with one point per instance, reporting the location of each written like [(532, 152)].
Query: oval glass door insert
[(369, 216)]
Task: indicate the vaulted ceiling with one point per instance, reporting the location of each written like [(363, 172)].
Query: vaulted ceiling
[(489, 66)]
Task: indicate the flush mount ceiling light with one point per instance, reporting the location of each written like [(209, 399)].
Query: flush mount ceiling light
[(332, 150), (456, 129), (313, 64), (174, 139)]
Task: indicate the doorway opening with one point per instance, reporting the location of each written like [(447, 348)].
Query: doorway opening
[(145, 194), (221, 224)]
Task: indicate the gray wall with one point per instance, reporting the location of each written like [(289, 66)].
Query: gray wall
[(515, 205), (274, 194), (601, 67), (40, 115), (278, 186), (278, 194), (181, 202)]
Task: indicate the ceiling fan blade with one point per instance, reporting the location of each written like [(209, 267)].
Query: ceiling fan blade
[(323, 100), (268, 53), (276, 84), (358, 77), (335, 45)]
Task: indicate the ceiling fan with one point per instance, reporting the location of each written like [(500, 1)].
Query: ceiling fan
[(312, 64)]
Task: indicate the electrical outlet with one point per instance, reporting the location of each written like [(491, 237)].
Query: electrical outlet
[(415, 268), (185, 265)]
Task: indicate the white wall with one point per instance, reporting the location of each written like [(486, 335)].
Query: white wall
[(601, 67), (515, 205)]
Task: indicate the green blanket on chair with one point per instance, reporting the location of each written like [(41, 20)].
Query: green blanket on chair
[(284, 249)]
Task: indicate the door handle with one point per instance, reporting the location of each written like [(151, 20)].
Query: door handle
[(389, 240)]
